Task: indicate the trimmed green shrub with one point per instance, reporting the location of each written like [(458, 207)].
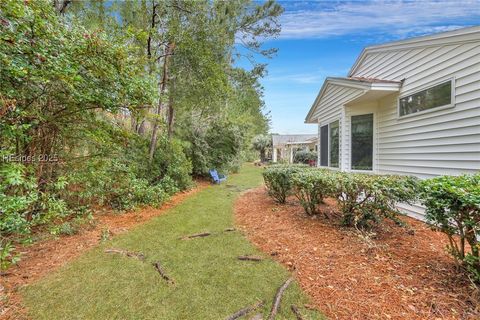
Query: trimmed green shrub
[(453, 207), (171, 162), (304, 156), (278, 179), (311, 187), (366, 199), (8, 256)]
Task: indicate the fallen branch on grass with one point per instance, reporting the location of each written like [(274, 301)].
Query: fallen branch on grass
[(278, 297), (296, 312), (162, 273), (250, 258), (245, 311), (138, 255), (196, 235)]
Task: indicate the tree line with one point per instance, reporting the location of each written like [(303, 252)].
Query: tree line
[(118, 103)]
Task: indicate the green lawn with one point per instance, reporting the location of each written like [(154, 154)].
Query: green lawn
[(210, 282)]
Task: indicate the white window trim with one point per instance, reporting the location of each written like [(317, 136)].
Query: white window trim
[(374, 147), (434, 109), (320, 125)]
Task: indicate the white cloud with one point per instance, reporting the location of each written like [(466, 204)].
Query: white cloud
[(398, 18), (302, 78), (314, 76)]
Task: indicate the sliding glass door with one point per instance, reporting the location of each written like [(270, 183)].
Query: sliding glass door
[(362, 142)]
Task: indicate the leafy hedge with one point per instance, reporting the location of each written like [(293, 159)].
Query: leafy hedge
[(453, 207), (305, 156), (363, 199), (311, 187), (278, 179), (452, 203), (366, 199)]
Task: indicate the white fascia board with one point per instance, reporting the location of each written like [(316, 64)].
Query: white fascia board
[(386, 87), (365, 86), (312, 108)]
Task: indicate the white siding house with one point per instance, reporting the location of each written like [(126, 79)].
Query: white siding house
[(408, 107)]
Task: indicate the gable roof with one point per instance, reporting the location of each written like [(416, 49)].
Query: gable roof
[(463, 35), (364, 85), (284, 139)]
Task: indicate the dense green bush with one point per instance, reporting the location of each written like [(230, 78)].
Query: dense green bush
[(453, 207), (218, 147), (22, 204), (170, 166), (365, 199), (305, 156), (111, 183), (7, 254), (278, 180), (18, 198), (311, 187)]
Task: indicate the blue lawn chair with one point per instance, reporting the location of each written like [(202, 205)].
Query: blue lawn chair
[(217, 178)]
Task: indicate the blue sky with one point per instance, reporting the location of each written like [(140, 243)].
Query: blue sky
[(323, 38)]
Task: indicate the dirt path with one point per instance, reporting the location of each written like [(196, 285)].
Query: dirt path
[(395, 276), (46, 256)]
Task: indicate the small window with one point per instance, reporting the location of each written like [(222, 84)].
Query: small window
[(334, 143), (324, 146), (362, 142), (434, 97)]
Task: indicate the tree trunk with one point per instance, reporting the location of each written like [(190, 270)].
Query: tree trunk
[(171, 111), (262, 155), (163, 90), (61, 5)]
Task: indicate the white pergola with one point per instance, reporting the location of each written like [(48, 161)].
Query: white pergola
[(284, 145)]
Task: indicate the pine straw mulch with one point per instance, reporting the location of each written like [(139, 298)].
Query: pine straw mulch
[(399, 274), (43, 257)]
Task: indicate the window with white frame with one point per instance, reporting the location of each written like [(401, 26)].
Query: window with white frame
[(362, 142), (440, 95), (324, 146), (330, 145), (334, 144)]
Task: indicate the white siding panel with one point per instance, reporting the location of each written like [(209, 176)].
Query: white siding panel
[(411, 210), (410, 61), (330, 108), (472, 76), (433, 143), (421, 172), (448, 156)]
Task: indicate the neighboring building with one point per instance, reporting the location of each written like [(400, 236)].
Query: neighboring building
[(407, 107), (284, 147)]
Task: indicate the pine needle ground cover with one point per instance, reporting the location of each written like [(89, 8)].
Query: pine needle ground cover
[(209, 281)]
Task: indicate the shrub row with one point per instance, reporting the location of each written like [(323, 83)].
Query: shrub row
[(363, 199), (452, 203), (453, 207), (278, 179)]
